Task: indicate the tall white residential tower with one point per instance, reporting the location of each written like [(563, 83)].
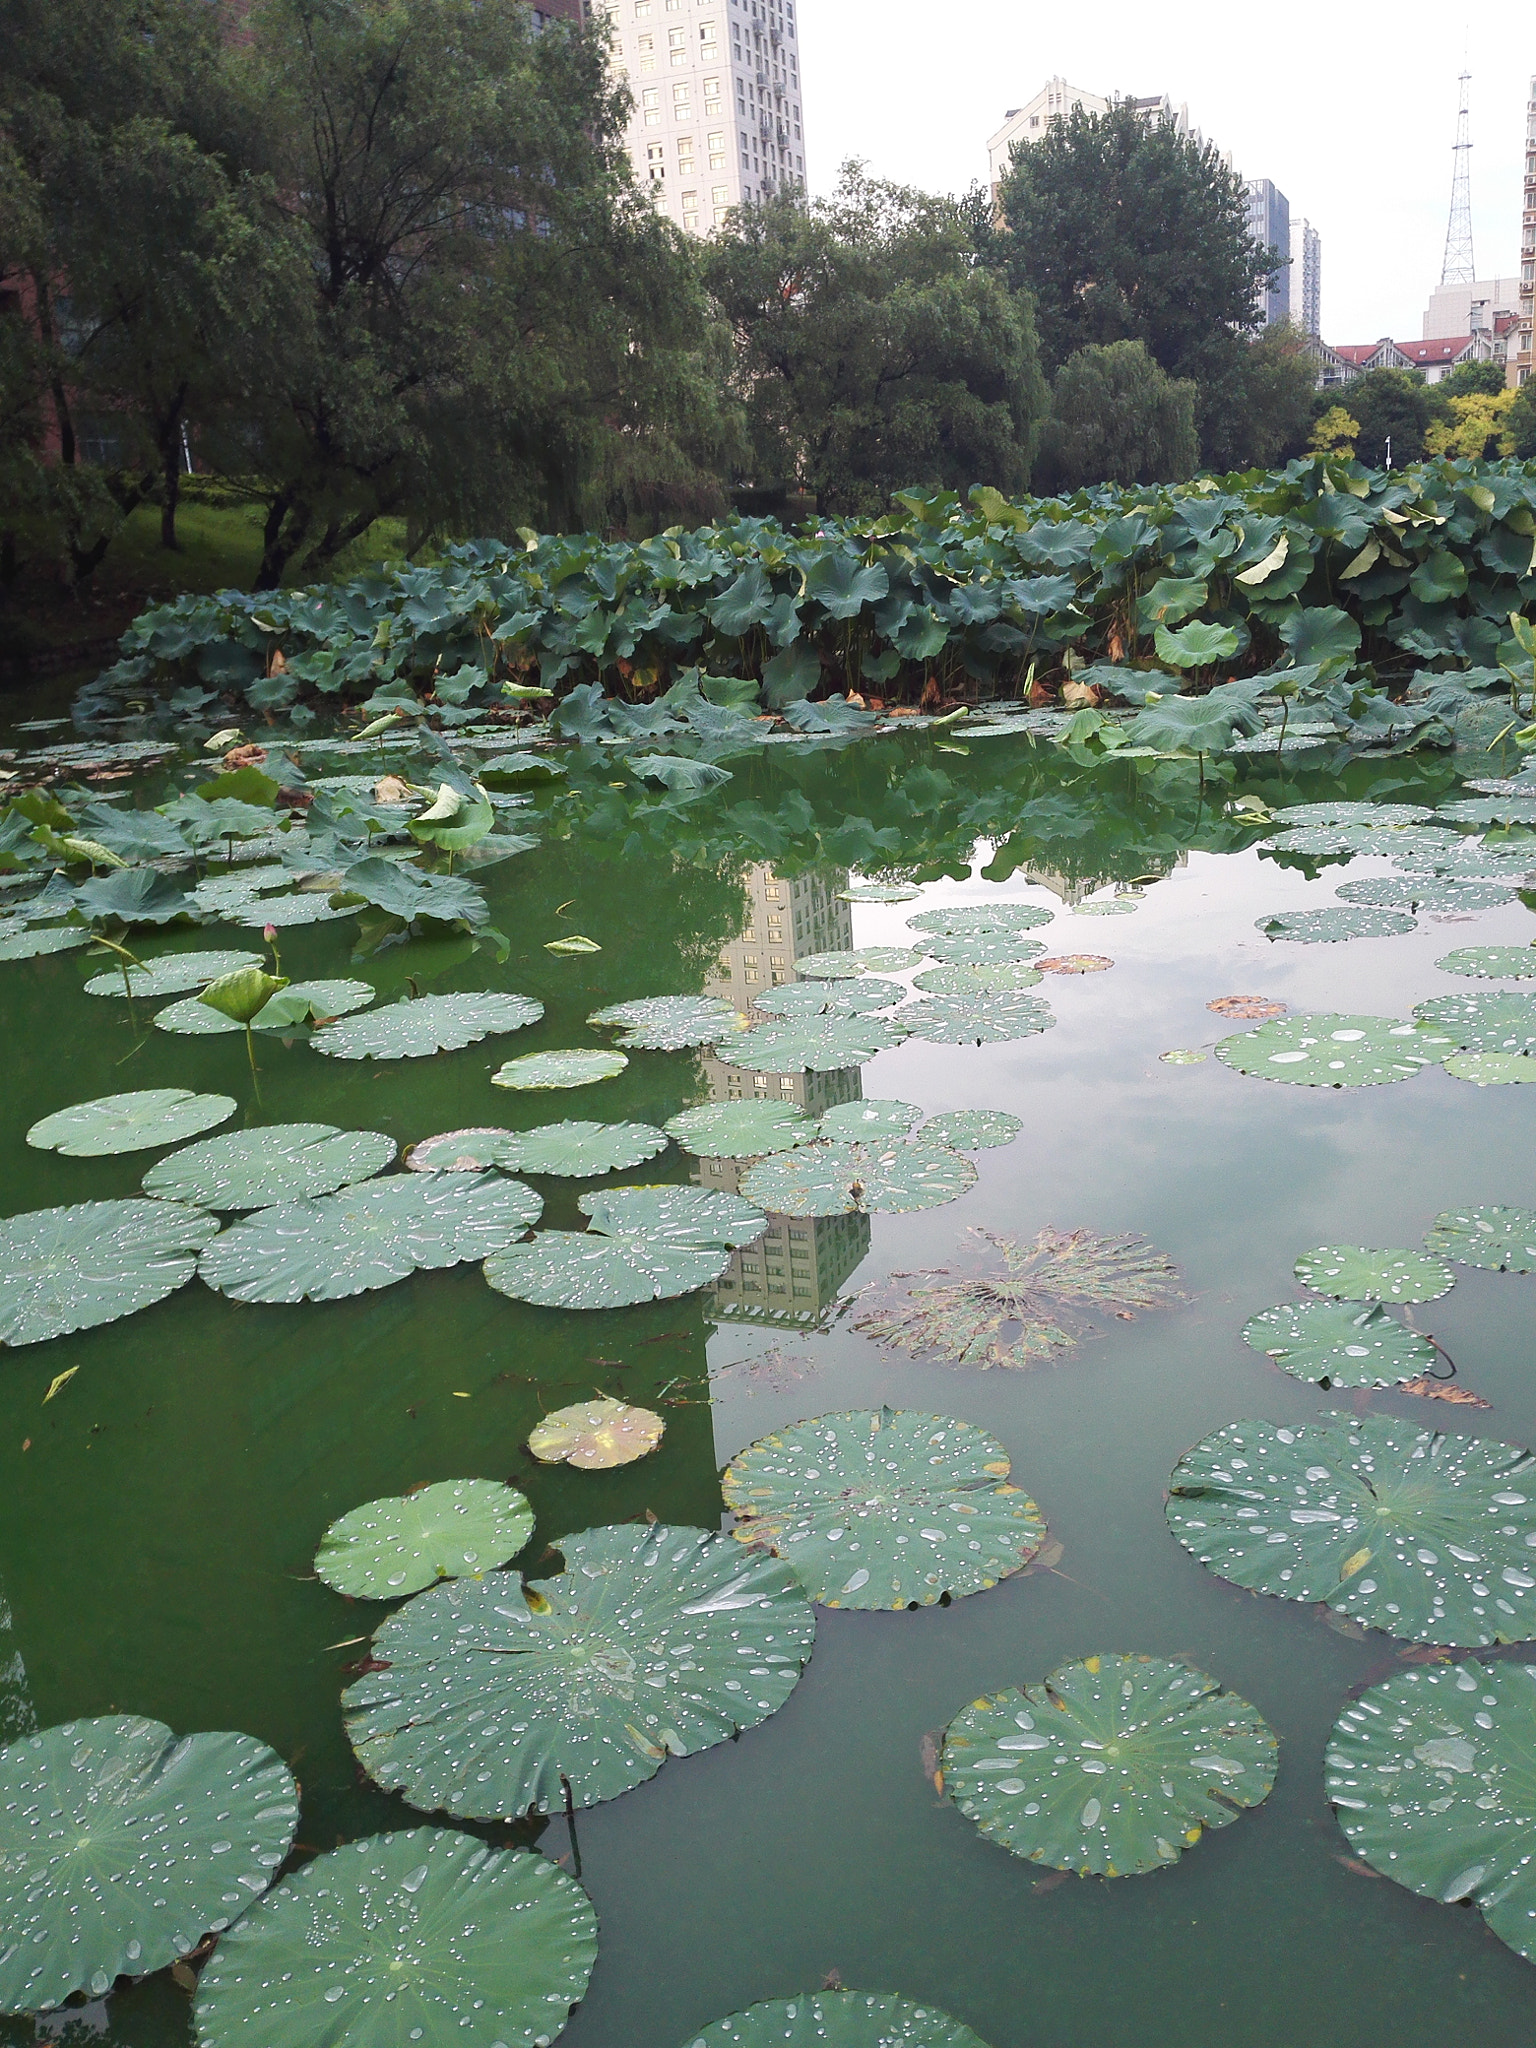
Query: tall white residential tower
[(1522, 356), (717, 120)]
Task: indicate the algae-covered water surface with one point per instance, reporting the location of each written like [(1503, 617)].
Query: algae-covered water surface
[(1011, 1090)]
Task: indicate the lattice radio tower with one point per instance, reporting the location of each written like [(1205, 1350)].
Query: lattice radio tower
[(1459, 267)]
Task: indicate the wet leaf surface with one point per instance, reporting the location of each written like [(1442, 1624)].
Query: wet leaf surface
[(404, 1542)]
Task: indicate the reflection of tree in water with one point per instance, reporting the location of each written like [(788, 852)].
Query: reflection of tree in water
[(17, 1714)]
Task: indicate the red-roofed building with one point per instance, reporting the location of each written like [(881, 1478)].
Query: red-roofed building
[(1341, 362)]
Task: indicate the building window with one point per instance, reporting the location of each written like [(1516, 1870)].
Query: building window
[(642, 10)]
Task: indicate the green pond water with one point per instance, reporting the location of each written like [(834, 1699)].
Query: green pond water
[(159, 1516)]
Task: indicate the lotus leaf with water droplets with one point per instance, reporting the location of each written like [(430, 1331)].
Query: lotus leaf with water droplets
[(63, 1270), (272, 1163), (823, 1045), (801, 999), (645, 1244), (1425, 892), (1487, 1020), (740, 1130), (135, 1122), (577, 1068), (596, 1435), (1340, 1343), (869, 1119), (168, 974), (669, 1023), (1003, 979), (838, 1178), (981, 917), (575, 1148), (984, 1020), (1328, 927), (29, 945), (1324, 1050), (292, 1009), (1491, 1069), (837, 2019), (1499, 1239), (404, 1542), (415, 1030), (972, 1130), (1354, 1273), (983, 949)]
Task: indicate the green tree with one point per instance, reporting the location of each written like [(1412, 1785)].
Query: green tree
[(1390, 405), (1125, 230), (1259, 414), (1520, 423), (497, 317), (871, 350), (1471, 380), (1117, 418)]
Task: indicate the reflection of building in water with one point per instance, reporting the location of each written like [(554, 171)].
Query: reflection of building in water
[(795, 1269), (1072, 891), (785, 921)]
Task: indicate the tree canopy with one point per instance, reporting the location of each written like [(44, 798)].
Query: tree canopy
[(1117, 418)]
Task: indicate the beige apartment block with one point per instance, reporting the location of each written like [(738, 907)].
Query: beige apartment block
[(1521, 361), (717, 118)]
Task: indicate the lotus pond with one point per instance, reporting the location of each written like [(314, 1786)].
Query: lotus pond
[(909, 1370)]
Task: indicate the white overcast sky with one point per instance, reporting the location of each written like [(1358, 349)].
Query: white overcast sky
[(1350, 109)]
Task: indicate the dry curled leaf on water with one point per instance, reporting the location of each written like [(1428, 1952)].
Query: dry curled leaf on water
[(1248, 1009), (1430, 1389), (1354, 1864), (392, 789), (1424, 1653), (1046, 1558), (1074, 963), (929, 1751), (1034, 1300)]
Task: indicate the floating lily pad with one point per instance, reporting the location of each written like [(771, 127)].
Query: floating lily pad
[(1076, 963), (822, 1045), (71, 1269), (1491, 963), (1491, 1069), (1328, 927), (424, 1935), (841, 1179), (1498, 1239), (470, 1151), (1491, 1020), (740, 1130), (169, 974), (799, 999), (286, 913), (1430, 1537), (972, 1130), (1352, 1273), (122, 1845), (1183, 1056), (1375, 815), (1466, 861), (653, 1641), (292, 1009), (1430, 1774), (273, 1163), (29, 945), (576, 1149), (837, 2019), (407, 1541), (981, 917), (135, 1122), (1322, 1050), (1111, 1767), (414, 1030), (574, 1069), (1425, 892), (670, 1023), (1003, 979), (645, 1244), (880, 892), (984, 949), (367, 1237), (869, 1120), (862, 960), (982, 1020), (1340, 1343), (596, 1435), (1251, 1009), (1497, 810), (885, 1508)]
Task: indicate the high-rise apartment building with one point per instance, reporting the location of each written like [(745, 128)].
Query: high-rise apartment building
[(717, 119), (1269, 222), (1522, 361), (1307, 277)]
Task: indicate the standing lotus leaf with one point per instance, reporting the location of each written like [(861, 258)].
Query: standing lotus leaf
[(653, 1641), (832, 1178), (869, 1119), (981, 917), (168, 974), (645, 1244), (1495, 1020), (596, 1435), (1004, 978), (575, 1069), (575, 1149), (293, 1008), (273, 1163), (423, 1936), (1324, 1050), (1498, 1239), (407, 1541), (669, 1023), (822, 1045), (63, 1270), (129, 1123), (1431, 1776), (1328, 927), (887, 1508), (1491, 963), (1033, 1301), (740, 1130), (1491, 1069), (1340, 1343), (1430, 1537), (122, 1845), (367, 1237), (983, 949), (972, 1130), (1112, 1767), (981, 1019), (837, 2019), (841, 966), (415, 1030), (1352, 1273), (795, 999)]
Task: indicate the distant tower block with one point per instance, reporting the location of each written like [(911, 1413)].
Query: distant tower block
[(1458, 267)]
